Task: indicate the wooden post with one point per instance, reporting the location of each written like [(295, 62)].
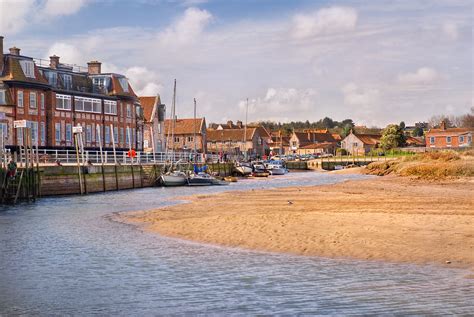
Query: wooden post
[(78, 163), (116, 178), (103, 178)]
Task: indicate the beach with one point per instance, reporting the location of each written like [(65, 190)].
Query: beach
[(388, 218)]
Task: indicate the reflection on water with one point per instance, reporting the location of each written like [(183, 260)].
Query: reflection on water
[(64, 256)]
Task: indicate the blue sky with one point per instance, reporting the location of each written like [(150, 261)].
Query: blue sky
[(376, 62)]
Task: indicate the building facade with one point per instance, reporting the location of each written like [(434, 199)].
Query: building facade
[(360, 144), (186, 134), (237, 142), (444, 137), (54, 97), (154, 112), (312, 142)]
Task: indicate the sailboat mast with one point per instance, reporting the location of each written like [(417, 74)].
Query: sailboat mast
[(245, 128), (173, 121), (194, 128)]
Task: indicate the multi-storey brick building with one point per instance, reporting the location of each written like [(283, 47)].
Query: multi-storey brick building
[(53, 97)]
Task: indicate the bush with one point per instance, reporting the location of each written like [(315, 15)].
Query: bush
[(341, 152)]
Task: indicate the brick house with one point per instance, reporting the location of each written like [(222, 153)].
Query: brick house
[(254, 140), (53, 97), (154, 122), (360, 144), (444, 137), (184, 132), (305, 142)]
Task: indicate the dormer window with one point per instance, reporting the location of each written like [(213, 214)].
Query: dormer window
[(67, 81), (28, 68), (52, 78), (124, 84)]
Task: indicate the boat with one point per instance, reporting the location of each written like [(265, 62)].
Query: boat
[(200, 179), (174, 178), (275, 168), (259, 170), (243, 169)]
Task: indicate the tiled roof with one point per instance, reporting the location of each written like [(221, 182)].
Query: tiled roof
[(235, 135), (449, 131), (370, 139), (324, 145), (13, 71), (186, 126), (336, 136), (117, 89), (312, 137), (148, 104), (415, 141)]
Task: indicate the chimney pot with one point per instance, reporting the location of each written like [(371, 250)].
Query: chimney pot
[(54, 61), (230, 123), (15, 51), (443, 125), (239, 124), (94, 67)]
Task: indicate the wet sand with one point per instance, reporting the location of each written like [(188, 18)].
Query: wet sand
[(385, 218)]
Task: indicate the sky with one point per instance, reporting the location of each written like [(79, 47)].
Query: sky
[(376, 62)]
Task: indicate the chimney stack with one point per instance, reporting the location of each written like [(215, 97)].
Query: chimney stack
[(54, 62), (443, 125), (239, 124), (230, 124), (15, 51), (94, 67)]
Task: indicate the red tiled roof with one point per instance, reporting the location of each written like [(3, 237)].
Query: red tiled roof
[(148, 104), (414, 141), (13, 71), (186, 126), (324, 145), (371, 139), (449, 131), (314, 137), (336, 136), (235, 135)]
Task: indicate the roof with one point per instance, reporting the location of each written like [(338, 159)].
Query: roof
[(336, 136), (449, 131), (314, 137), (323, 145), (148, 104), (13, 71), (186, 126), (370, 139), (235, 135), (414, 141)]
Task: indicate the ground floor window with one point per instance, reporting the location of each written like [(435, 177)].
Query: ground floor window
[(4, 130), (57, 132)]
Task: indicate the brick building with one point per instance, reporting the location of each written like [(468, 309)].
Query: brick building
[(184, 132), (312, 141), (444, 137), (53, 97), (154, 123)]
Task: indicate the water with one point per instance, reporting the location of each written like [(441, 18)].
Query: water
[(65, 256)]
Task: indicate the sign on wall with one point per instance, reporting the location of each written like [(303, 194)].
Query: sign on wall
[(77, 129), (19, 124)]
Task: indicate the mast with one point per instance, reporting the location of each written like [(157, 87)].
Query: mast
[(194, 130), (245, 129)]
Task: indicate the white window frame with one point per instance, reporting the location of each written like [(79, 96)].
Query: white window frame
[(67, 81), (449, 140), (81, 102), (4, 127), (43, 132), (28, 68), (20, 98), (110, 107), (42, 101), (129, 110), (68, 132), (33, 101), (66, 102), (57, 132)]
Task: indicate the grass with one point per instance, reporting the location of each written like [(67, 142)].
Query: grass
[(430, 166)]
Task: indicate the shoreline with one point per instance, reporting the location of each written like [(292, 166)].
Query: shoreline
[(386, 218)]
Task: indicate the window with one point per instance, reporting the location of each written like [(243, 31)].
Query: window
[(63, 102), (34, 131), (107, 135), (190, 139), (121, 136), (43, 132), (110, 107), (28, 68), (127, 136), (469, 139), (87, 104), (293, 143), (32, 99), (20, 98), (115, 135), (88, 133), (448, 139), (19, 136), (68, 132), (461, 139), (57, 132), (3, 99), (176, 139), (52, 78), (42, 101), (129, 110), (4, 130), (432, 139), (124, 84), (67, 81)]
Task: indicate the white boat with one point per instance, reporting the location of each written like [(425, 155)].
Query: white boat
[(175, 178), (275, 168), (200, 179), (243, 169)]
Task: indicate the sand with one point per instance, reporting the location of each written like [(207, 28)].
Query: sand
[(384, 218)]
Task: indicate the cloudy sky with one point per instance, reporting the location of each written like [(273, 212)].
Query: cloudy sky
[(376, 62)]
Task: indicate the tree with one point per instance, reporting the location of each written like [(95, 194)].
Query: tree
[(328, 123), (402, 125), (467, 120), (392, 137), (346, 130), (417, 132)]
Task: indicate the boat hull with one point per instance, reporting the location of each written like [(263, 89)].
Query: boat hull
[(243, 170), (277, 171), (173, 180)]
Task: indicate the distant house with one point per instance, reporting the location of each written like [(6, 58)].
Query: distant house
[(415, 141), (154, 123), (359, 144), (312, 142), (444, 137), (254, 140), (228, 125), (279, 143), (184, 132)]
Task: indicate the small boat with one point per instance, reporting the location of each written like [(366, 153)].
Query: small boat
[(259, 170), (175, 178), (200, 179), (243, 169), (276, 168)]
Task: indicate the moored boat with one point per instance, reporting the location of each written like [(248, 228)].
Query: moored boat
[(243, 169), (175, 178), (200, 179)]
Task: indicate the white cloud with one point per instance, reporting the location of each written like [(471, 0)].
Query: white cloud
[(423, 75), (67, 53), (18, 14), (144, 81), (324, 21), (357, 96), (187, 28), (450, 29)]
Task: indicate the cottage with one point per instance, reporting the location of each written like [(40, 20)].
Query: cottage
[(184, 134), (360, 144), (154, 112), (236, 142), (444, 137), (312, 142)]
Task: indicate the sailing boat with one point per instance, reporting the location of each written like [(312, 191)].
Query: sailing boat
[(173, 177), (199, 177)]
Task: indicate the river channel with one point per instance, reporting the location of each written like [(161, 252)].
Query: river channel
[(64, 256)]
